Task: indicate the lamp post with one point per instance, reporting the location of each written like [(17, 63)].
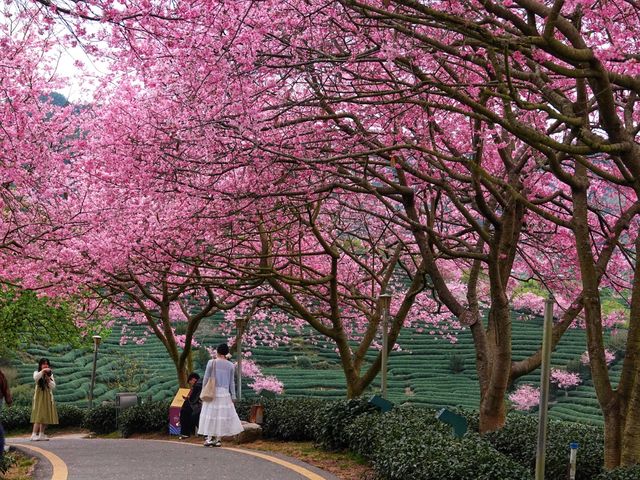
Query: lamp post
[(239, 358), (96, 343), (544, 387), (384, 301)]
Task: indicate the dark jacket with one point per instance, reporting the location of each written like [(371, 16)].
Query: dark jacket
[(193, 401)]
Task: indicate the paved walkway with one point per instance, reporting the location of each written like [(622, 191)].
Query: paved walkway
[(75, 458)]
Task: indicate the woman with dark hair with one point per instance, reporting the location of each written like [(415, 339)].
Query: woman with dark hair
[(44, 411), (218, 417)]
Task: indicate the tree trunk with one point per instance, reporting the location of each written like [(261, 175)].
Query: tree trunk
[(492, 410), (613, 427), (630, 454)]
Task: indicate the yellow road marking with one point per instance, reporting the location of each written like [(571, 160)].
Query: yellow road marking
[(291, 466), (60, 471)]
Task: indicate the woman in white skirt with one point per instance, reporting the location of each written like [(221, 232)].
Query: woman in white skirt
[(218, 418)]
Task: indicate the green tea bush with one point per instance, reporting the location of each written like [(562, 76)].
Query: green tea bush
[(243, 408), (334, 419), (292, 418), (425, 454), (101, 419), (70, 415), (622, 473), (456, 363), (517, 439), (147, 417), (22, 395), (15, 417)]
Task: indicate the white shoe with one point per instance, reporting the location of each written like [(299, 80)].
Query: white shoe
[(43, 437), (34, 437)]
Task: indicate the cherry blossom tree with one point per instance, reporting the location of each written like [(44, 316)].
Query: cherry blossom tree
[(501, 136)]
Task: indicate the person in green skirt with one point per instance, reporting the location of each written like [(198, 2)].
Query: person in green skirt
[(44, 410)]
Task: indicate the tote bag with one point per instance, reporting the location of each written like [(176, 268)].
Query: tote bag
[(208, 392)]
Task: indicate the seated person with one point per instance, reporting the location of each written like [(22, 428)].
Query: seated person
[(190, 411)]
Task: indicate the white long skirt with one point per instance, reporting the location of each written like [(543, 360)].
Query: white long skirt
[(219, 418)]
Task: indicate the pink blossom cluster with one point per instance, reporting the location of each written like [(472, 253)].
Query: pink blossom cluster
[(564, 379), (525, 397), (609, 357), (268, 383), (260, 382)]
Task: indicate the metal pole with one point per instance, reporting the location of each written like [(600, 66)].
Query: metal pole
[(96, 342), (544, 387), (385, 300), (239, 359)]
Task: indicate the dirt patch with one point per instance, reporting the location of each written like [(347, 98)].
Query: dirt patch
[(23, 467)]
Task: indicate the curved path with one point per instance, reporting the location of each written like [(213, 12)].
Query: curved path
[(75, 458)]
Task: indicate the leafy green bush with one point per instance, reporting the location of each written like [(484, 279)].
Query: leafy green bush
[(517, 439), (369, 431), (147, 417), (71, 416), (292, 418), (101, 419), (428, 454), (243, 408), (304, 362), (456, 363), (15, 417), (22, 395), (622, 473), (333, 420)]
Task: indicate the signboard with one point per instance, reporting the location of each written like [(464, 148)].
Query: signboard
[(174, 411)]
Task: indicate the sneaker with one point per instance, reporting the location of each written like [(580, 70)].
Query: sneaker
[(217, 443), (43, 438), (34, 438), (209, 443), (182, 437)]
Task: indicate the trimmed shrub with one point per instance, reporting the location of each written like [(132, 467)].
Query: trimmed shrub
[(621, 473), (369, 431), (15, 417), (517, 439), (334, 419), (432, 455), (148, 417), (292, 418), (70, 415), (101, 419)]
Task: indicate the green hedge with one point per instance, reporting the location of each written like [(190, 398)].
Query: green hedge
[(517, 439), (629, 473), (147, 417), (335, 418), (101, 419), (71, 416), (15, 417), (292, 418)]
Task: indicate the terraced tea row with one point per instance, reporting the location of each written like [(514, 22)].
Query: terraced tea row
[(419, 373)]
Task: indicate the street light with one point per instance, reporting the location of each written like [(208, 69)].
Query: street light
[(384, 301), (239, 357), (96, 343)]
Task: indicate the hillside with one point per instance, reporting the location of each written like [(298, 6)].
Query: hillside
[(420, 373)]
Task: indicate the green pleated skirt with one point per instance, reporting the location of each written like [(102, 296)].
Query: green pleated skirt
[(44, 407)]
